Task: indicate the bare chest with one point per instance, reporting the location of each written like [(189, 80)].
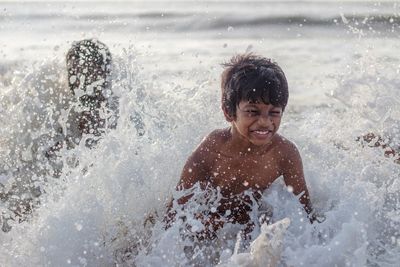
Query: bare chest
[(236, 175)]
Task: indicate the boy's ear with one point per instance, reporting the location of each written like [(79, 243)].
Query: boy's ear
[(228, 117)]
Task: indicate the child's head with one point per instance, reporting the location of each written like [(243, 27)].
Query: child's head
[(253, 78), (89, 70)]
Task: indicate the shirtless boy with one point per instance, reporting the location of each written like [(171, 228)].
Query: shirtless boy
[(249, 155), (89, 79)]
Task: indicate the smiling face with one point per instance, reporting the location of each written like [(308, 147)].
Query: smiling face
[(256, 122)]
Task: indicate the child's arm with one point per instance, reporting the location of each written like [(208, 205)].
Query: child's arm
[(195, 170), (294, 176)]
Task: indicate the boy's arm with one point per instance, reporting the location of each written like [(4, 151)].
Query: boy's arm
[(195, 170), (294, 176)]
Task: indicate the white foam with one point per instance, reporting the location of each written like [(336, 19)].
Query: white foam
[(93, 215), (265, 250)]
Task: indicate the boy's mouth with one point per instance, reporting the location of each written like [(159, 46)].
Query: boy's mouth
[(263, 132)]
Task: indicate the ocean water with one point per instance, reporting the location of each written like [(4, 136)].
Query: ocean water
[(342, 62)]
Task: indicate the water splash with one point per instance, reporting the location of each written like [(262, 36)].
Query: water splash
[(94, 213)]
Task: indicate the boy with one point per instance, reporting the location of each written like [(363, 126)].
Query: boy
[(89, 79), (249, 155), (89, 65)]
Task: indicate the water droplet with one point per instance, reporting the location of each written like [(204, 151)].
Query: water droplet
[(78, 226), (249, 48)]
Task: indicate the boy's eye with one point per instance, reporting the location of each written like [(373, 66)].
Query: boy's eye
[(275, 113), (252, 112), (255, 113)]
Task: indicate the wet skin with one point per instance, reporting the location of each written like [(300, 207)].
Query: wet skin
[(248, 156)]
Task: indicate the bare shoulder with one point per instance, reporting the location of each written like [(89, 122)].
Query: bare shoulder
[(198, 165), (208, 147), (284, 144), (215, 140), (286, 148)]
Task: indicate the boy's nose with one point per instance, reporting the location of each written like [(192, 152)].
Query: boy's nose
[(265, 119)]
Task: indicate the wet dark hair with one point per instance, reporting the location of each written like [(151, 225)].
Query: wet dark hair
[(89, 66), (252, 78)]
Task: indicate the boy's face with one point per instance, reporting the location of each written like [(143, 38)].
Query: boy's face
[(257, 122)]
